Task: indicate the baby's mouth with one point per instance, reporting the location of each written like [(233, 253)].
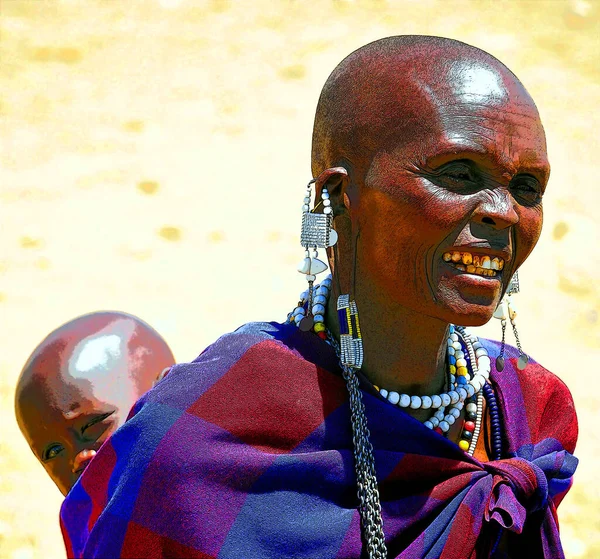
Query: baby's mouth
[(480, 265), (82, 460)]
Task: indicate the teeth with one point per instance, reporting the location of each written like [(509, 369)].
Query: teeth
[(474, 263)]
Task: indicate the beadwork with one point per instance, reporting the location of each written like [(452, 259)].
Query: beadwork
[(507, 309), (316, 232), (468, 368)]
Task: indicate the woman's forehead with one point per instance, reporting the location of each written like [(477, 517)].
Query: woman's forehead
[(475, 111)]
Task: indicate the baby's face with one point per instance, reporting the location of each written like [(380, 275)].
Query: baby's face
[(73, 403), (65, 437), (78, 388)]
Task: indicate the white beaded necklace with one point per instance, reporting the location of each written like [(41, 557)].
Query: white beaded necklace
[(447, 405)]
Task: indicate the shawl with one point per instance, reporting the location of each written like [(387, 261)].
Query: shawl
[(247, 452)]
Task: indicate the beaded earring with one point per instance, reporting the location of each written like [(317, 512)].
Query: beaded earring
[(507, 309), (316, 232), (351, 346)]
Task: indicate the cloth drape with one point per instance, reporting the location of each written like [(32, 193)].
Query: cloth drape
[(247, 452)]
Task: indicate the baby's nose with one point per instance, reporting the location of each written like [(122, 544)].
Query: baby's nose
[(82, 457)]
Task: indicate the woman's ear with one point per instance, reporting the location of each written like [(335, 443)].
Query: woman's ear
[(336, 180), (340, 256)]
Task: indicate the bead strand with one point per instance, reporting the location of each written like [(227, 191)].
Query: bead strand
[(478, 423), (496, 429), (468, 371)]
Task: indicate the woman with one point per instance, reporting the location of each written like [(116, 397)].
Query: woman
[(328, 436)]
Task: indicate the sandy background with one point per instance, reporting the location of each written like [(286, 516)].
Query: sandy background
[(153, 160)]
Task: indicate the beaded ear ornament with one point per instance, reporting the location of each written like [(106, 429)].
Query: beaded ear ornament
[(507, 309), (316, 232)]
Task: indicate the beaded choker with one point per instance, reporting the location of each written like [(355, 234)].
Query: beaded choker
[(468, 366)]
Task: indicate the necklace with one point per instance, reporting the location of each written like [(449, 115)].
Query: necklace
[(468, 371), (470, 362)]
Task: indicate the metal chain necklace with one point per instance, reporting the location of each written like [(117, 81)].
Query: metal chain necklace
[(369, 506), (349, 351)]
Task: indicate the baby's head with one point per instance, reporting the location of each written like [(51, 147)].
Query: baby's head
[(79, 385)]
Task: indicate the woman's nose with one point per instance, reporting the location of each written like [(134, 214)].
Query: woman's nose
[(497, 210), (81, 459)]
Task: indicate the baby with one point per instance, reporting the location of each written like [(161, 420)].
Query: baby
[(79, 385)]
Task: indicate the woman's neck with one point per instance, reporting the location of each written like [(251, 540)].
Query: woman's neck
[(404, 350)]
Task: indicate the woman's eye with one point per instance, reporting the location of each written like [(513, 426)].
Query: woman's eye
[(456, 174), (459, 175), (52, 452), (527, 188)]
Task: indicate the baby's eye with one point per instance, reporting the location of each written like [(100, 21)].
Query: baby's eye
[(95, 421), (52, 451)]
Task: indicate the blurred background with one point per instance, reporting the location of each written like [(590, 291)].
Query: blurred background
[(154, 157)]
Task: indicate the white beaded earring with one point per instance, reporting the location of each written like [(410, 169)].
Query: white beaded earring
[(316, 232), (507, 309)]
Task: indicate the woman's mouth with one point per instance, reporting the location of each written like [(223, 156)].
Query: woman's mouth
[(477, 264)]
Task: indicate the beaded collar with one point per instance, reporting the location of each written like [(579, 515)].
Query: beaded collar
[(468, 369)]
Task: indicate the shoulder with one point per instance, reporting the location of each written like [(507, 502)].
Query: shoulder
[(545, 398), (254, 341)]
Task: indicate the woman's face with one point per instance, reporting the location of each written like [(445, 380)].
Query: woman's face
[(446, 217)]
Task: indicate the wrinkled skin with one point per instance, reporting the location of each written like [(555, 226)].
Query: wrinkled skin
[(426, 145), (79, 385)]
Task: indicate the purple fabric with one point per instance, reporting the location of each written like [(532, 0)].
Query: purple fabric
[(247, 452)]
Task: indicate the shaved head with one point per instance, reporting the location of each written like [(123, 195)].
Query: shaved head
[(79, 385), (397, 91), (430, 149)]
